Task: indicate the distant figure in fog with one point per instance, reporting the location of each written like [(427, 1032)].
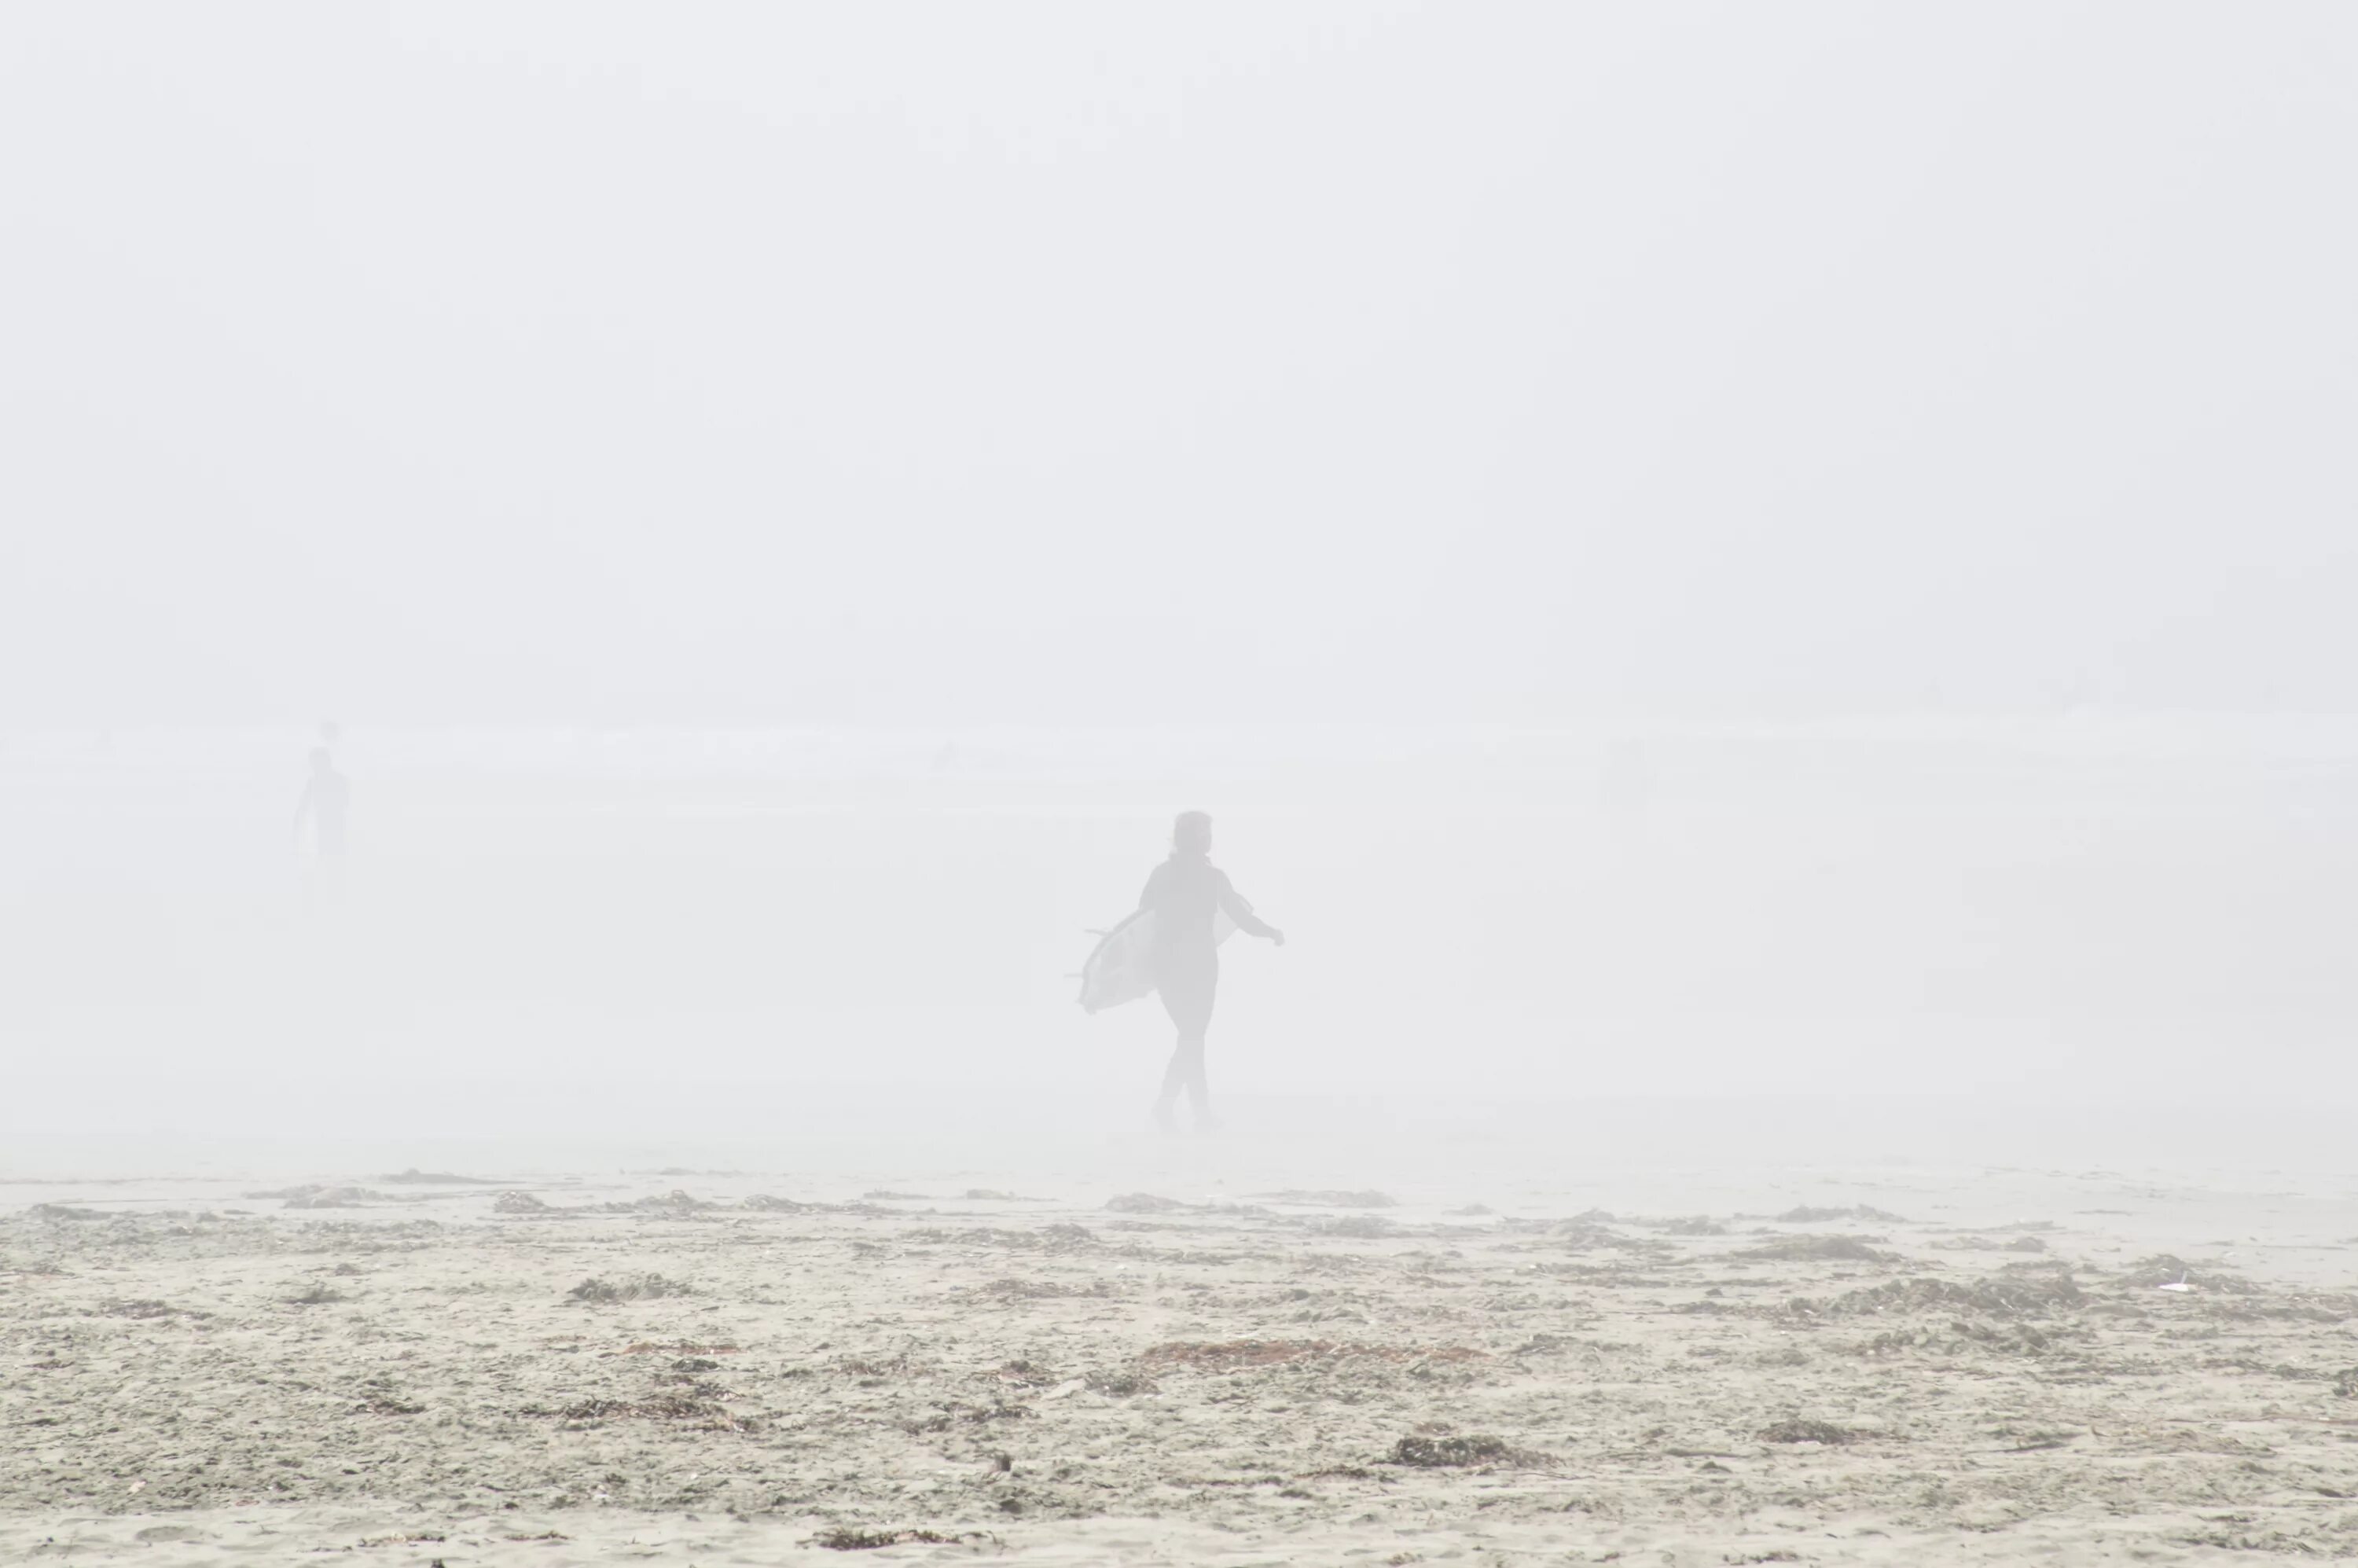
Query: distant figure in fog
[(1186, 893), (326, 793)]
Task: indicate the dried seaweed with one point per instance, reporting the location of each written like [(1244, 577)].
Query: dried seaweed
[(1456, 1452), (1144, 1203), (1805, 1215), (598, 1289), (1824, 1432), (1817, 1249), (2026, 1294), (848, 1540)]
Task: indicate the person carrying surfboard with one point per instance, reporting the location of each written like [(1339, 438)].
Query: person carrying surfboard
[(1185, 894)]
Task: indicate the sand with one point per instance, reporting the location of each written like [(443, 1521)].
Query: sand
[(1178, 1360)]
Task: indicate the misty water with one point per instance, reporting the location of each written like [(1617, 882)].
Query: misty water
[(547, 935)]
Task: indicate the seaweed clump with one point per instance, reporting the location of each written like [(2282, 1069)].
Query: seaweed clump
[(2028, 1294), (1817, 1249), (1805, 1215), (1461, 1452), (849, 1540), (600, 1290), (1824, 1432), (1144, 1203)]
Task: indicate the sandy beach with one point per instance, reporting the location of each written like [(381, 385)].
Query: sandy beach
[(1180, 1357), (600, 1187)]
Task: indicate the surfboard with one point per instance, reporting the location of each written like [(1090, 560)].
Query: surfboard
[(1122, 967)]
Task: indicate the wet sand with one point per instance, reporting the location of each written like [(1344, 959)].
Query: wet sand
[(1181, 1358)]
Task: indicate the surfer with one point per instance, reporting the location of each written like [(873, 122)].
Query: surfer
[(1185, 892), (325, 795)]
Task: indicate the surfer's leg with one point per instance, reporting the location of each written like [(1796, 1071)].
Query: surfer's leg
[(1174, 1079), (1175, 1002), (1187, 998), (1199, 1093), (1198, 1089)]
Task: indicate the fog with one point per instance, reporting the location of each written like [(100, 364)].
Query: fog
[(1746, 554), (669, 934)]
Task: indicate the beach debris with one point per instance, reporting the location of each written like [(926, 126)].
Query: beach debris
[(1357, 1227), (520, 1203), (1984, 1244), (1822, 1432), (1459, 1452), (2030, 1293), (318, 1195), (2168, 1272), (1026, 1374), (62, 1211), (1232, 1355), (1332, 1198), (1694, 1225), (698, 1406), (1817, 1249), (1015, 1290), (1806, 1215), (44, 1267), (1121, 1385), (387, 1405), (598, 1289), (1144, 1203), (677, 1200), (849, 1540), (148, 1309), (1236, 1355)]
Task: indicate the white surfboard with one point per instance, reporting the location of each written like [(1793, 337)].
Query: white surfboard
[(1122, 967)]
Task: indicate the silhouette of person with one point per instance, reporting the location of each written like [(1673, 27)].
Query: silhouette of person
[(1187, 893), (326, 793)]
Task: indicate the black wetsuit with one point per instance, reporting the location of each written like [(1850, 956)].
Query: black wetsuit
[(1187, 893)]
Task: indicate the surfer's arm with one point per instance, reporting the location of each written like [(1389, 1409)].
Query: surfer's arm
[(1233, 904), (303, 808), (1152, 893)]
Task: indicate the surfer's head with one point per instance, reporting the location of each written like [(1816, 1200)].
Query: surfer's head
[(1191, 834)]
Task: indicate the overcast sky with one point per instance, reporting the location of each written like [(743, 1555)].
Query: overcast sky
[(925, 364)]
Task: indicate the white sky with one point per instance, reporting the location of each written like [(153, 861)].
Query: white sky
[(469, 361)]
